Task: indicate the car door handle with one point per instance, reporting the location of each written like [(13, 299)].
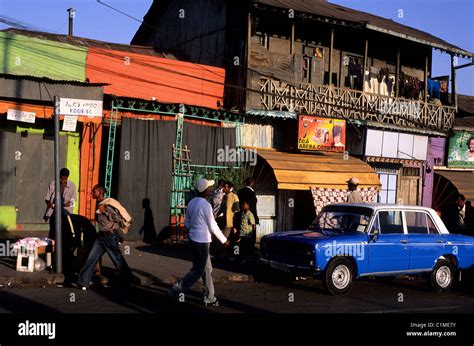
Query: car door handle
[(403, 241), (440, 241)]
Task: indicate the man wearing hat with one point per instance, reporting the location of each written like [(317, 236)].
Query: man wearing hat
[(353, 196), (201, 224)]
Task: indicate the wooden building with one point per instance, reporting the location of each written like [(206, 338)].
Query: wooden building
[(285, 58)]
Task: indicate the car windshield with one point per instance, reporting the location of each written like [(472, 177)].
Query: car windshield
[(339, 219)]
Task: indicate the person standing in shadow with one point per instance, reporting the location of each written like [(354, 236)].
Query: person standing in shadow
[(148, 228)]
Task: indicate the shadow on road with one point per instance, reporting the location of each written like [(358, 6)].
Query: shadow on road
[(20, 305)]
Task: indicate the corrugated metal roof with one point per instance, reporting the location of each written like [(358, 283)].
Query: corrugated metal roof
[(50, 81), (465, 123), (370, 21), (87, 42), (466, 103), (272, 114)]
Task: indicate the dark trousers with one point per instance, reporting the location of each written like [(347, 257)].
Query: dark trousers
[(247, 246), (105, 242), (202, 269)]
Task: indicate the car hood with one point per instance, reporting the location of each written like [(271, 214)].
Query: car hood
[(314, 237)]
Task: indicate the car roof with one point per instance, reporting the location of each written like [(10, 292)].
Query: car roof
[(376, 206)]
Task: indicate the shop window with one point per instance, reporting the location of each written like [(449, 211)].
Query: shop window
[(388, 191), (410, 172), (260, 39)]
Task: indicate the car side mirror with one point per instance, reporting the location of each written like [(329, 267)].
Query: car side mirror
[(374, 234)]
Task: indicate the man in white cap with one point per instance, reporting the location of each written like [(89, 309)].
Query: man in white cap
[(353, 196), (201, 224)]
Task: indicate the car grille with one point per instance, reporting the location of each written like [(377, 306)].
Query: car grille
[(273, 248)]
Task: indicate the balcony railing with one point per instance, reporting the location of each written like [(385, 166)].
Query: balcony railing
[(344, 103)]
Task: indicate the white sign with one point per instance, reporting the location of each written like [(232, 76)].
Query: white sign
[(90, 108), (15, 115), (69, 123)]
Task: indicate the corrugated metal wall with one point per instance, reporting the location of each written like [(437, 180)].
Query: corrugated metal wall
[(22, 55), (257, 136)]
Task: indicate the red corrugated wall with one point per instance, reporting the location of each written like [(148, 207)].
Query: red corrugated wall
[(145, 77)]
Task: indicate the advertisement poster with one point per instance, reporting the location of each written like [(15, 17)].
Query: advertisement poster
[(321, 134), (461, 150)]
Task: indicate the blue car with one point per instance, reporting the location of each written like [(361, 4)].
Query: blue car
[(349, 241)]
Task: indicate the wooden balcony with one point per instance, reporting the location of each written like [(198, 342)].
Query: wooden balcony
[(330, 101)]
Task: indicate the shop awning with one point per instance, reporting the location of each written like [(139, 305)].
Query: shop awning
[(327, 170), (463, 180)]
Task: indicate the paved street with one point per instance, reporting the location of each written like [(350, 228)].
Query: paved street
[(368, 296)]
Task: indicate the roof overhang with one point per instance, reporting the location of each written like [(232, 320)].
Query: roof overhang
[(463, 180), (447, 49), (326, 170)]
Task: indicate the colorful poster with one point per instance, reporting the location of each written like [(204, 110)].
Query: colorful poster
[(322, 134), (461, 150)]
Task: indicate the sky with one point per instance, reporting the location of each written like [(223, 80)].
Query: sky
[(451, 20)]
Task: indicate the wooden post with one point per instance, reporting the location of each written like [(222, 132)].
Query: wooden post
[(426, 77), (292, 42), (453, 83), (331, 47), (366, 52), (397, 75), (249, 37)]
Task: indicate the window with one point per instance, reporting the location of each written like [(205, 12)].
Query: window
[(388, 192), (389, 222), (419, 223), (261, 39), (306, 69)]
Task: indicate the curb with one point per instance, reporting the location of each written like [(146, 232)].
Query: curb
[(25, 281), (148, 281), (145, 281)]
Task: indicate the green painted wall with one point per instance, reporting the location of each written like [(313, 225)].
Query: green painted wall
[(8, 213), (23, 55), (7, 217)]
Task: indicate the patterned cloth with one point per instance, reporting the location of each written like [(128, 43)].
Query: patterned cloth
[(324, 196), (246, 224)]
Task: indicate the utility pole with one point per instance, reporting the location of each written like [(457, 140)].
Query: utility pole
[(58, 206)]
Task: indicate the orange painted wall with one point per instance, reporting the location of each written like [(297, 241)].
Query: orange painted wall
[(90, 166), (143, 76)]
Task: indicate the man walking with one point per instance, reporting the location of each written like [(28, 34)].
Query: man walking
[(354, 196), (248, 194), (201, 224), (68, 198), (107, 241)]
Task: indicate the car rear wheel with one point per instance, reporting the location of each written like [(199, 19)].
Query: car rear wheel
[(339, 276), (442, 276)]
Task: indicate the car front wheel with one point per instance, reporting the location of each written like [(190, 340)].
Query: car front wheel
[(441, 277), (339, 276)]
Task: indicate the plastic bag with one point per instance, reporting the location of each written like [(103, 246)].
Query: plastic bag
[(39, 264)]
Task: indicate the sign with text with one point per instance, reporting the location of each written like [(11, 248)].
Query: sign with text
[(70, 123), (16, 115), (461, 150), (79, 107), (323, 134)]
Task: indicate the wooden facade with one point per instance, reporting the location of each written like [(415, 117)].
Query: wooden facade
[(275, 61)]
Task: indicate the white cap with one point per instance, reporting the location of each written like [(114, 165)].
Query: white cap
[(202, 184), (353, 181)]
